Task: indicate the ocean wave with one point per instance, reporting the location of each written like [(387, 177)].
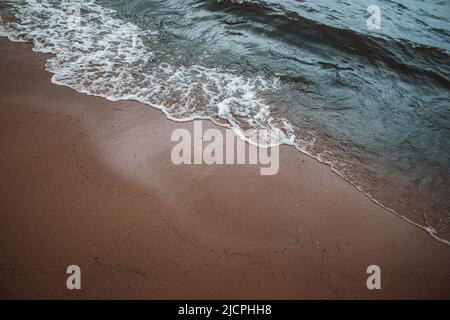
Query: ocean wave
[(100, 54), (414, 60)]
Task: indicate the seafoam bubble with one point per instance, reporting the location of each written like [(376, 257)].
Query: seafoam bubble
[(105, 56)]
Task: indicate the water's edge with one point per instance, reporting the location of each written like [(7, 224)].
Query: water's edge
[(427, 229)]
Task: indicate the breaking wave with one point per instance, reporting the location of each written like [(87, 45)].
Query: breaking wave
[(105, 56)]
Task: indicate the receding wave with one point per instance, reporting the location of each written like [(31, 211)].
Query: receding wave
[(107, 57)]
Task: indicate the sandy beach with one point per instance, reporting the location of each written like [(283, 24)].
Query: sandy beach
[(90, 182)]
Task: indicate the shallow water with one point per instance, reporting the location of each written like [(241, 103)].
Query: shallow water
[(373, 104)]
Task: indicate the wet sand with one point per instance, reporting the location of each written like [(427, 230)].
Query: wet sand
[(90, 182)]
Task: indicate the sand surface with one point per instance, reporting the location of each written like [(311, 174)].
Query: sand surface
[(90, 182)]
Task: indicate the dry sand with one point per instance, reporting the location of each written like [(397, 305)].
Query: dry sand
[(90, 182)]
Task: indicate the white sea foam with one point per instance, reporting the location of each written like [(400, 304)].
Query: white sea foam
[(106, 56), (3, 32)]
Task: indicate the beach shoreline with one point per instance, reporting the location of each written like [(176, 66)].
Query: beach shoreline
[(89, 182)]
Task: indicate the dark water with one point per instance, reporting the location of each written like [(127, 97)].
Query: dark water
[(373, 104)]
